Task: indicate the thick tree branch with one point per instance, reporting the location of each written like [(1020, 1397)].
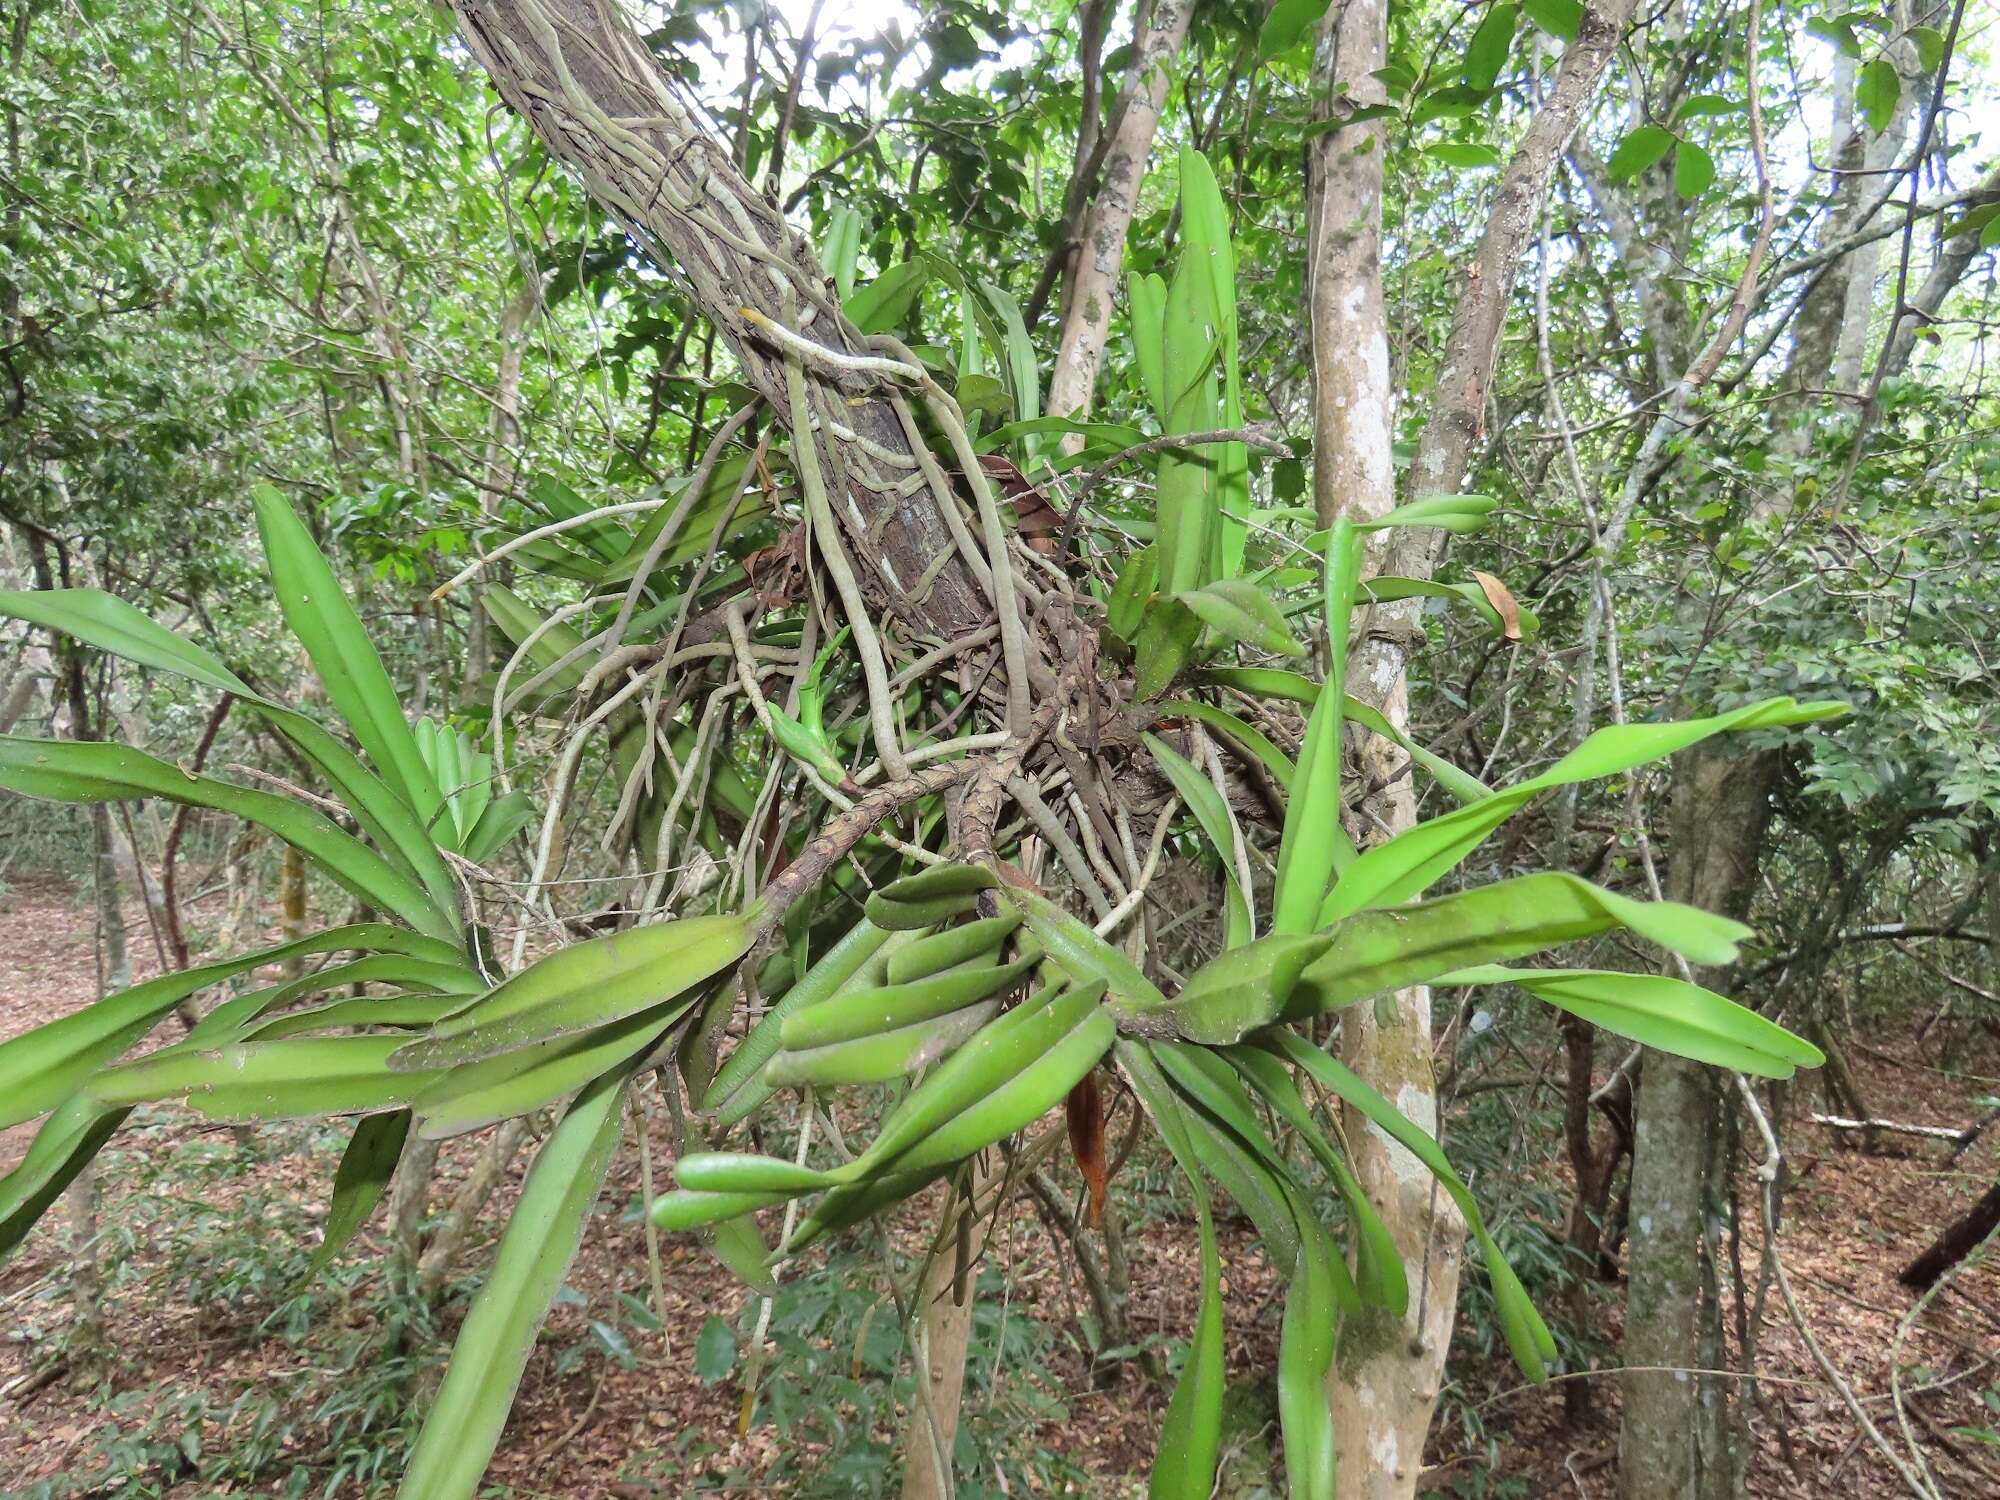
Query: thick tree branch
[(579, 74)]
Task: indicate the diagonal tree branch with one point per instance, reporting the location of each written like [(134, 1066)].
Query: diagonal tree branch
[(579, 74)]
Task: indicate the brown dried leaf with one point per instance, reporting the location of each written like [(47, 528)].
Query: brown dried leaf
[(1084, 1110), (1503, 604)]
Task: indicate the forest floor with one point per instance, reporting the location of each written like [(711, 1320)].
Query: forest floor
[(212, 1379)]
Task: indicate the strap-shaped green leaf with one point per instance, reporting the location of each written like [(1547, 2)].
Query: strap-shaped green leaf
[(465, 1421), (1315, 844), (42, 1067), (110, 624), (1191, 1434), (1378, 1267), (1292, 687), (1235, 610), (1147, 292), (1669, 1014), (1243, 737), (1205, 802), (1385, 588), (92, 771), (1305, 1356), (363, 1176), (1205, 241), (321, 616), (1082, 954), (295, 1079), (1409, 863), (1375, 952), (1243, 987), (1528, 1337), (585, 986), (65, 1144), (499, 1088)]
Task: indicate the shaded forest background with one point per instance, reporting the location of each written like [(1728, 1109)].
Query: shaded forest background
[(305, 245)]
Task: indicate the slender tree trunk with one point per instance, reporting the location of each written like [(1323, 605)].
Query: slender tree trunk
[(1100, 258), (503, 438), (1387, 1370), (944, 1323), (1677, 1442), (1388, 1373), (292, 900)]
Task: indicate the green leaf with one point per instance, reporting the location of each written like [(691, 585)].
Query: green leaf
[(317, 609), (1081, 953), (1167, 633), (63, 1147), (1668, 1014), (1406, 865), (1236, 610), (1305, 1357), (882, 305), (1191, 1434), (359, 1182), (1694, 170), (41, 1067), (1134, 587), (90, 771), (1243, 988), (477, 1094), (842, 248), (1559, 18), (1148, 295), (714, 1351), (1467, 156), (541, 1238), (1314, 843), (1024, 376), (1245, 739), (1206, 243), (1386, 948), (1930, 46), (297, 1078), (1877, 91), (1212, 813), (1486, 53), (1528, 1338), (1287, 25), (108, 623), (1386, 587), (1707, 106), (1643, 146), (583, 986), (502, 818)]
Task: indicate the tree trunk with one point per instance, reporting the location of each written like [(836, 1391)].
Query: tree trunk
[(586, 84), (1955, 1244), (1387, 1374), (503, 439), (1100, 258), (944, 1322), (1677, 1442)]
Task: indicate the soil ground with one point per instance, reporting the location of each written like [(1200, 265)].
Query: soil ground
[(651, 1426)]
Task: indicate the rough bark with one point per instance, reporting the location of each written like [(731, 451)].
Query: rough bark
[(1388, 1372), (1676, 1442), (579, 74), (1101, 256)]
